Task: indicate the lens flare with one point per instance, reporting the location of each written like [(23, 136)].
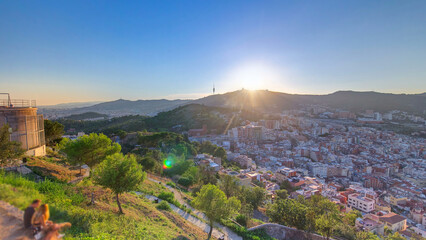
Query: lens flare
[(167, 164)]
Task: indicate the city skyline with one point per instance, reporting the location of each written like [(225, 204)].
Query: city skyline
[(58, 52)]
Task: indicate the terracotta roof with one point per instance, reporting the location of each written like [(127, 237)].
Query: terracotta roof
[(392, 218)]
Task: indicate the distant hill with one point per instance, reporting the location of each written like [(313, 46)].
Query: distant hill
[(118, 108), (139, 107), (69, 105), (179, 119), (86, 116), (267, 101), (260, 101)]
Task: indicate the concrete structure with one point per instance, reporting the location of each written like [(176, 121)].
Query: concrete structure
[(394, 222), (370, 223), (282, 232), (25, 125), (361, 202)]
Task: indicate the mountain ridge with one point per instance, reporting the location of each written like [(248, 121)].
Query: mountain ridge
[(266, 101)]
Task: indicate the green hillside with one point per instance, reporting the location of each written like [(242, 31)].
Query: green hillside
[(180, 119)]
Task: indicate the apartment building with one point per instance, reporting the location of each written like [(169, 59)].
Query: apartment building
[(361, 202)]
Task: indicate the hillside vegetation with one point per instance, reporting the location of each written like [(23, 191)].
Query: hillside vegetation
[(180, 119), (70, 203)]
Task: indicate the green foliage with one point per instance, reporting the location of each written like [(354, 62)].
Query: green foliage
[(190, 177), (207, 176), (351, 217), (288, 212), (53, 131), (163, 205), (179, 166), (361, 235), (316, 214), (242, 220), (229, 185), (282, 194), (171, 184), (185, 181), (213, 202), (167, 196), (88, 222), (120, 174), (89, 149), (148, 163), (395, 236), (258, 234), (326, 225), (253, 196), (287, 186), (9, 150)]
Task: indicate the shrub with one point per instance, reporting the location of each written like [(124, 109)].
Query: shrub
[(163, 205), (171, 184), (168, 196), (185, 181), (242, 220)]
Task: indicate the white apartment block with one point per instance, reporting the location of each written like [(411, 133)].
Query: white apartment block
[(361, 202)]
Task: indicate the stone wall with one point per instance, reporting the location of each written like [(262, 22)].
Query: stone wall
[(281, 232)]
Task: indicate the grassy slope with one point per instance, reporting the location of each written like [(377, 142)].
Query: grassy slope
[(142, 220)]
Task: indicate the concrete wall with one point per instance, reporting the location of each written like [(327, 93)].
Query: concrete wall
[(27, 127), (281, 232)]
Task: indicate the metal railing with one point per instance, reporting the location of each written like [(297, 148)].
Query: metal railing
[(17, 103)]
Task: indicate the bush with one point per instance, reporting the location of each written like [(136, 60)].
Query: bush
[(242, 220), (168, 196), (185, 181), (163, 205), (171, 184), (258, 234)]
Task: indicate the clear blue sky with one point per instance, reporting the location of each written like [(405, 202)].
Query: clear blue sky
[(67, 51)]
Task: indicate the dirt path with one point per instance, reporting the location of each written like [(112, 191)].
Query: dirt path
[(11, 223)]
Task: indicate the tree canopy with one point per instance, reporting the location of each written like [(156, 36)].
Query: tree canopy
[(89, 149), (53, 131), (120, 174), (213, 202), (229, 185), (9, 150)]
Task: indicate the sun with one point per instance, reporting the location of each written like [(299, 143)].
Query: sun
[(252, 76)]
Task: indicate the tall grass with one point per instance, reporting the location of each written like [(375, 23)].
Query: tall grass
[(67, 205)]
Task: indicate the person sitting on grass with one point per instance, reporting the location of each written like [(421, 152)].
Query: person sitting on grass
[(29, 212), (40, 219)]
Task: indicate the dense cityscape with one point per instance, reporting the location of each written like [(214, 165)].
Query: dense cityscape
[(216, 120)]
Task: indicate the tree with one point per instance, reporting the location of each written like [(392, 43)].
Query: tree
[(212, 201), (256, 196), (120, 174), (8, 149), (220, 152), (148, 163), (282, 194), (325, 225), (53, 131), (207, 147), (351, 217), (229, 185), (287, 186), (361, 235), (395, 236), (89, 149), (288, 212)]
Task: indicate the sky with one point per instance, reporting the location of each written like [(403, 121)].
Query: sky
[(77, 51)]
